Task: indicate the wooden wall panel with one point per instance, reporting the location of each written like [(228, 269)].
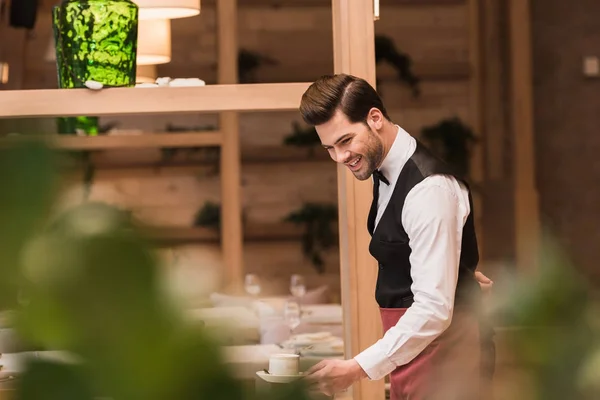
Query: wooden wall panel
[(171, 196), (299, 39)]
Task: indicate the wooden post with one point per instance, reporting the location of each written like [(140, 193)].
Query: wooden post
[(526, 198), (494, 82), (354, 53), (476, 120), (231, 202)]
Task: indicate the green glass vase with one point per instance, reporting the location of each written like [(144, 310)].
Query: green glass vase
[(96, 40)]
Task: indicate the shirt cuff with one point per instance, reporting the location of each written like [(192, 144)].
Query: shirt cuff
[(375, 362)]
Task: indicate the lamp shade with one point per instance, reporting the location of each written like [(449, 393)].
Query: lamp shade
[(169, 9), (154, 42)]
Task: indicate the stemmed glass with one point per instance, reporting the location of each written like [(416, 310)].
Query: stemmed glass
[(291, 314), (252, 284), (298, 287)]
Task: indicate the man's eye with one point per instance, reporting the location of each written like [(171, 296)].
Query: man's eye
[(346, 141)]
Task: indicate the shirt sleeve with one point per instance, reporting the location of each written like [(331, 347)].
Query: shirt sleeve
[(434, 214)]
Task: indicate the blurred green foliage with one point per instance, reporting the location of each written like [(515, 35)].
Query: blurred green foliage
[(558, 335), (84, 282)]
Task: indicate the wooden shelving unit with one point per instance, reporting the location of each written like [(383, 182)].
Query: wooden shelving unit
[(124, 141), (257, 155), (158, 100)]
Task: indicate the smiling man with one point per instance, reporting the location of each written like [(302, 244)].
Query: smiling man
[(423, 237)]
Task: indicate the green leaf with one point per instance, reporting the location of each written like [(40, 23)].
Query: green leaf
[(47, 380), (28, 178)]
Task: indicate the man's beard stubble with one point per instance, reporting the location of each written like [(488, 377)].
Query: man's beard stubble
[(373, 156)]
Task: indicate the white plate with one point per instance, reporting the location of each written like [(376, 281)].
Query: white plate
[(278, 378)]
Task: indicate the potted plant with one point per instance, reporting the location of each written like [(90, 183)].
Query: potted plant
[(452, 141), (318, 235)]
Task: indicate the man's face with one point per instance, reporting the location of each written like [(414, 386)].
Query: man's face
[(356, 145)]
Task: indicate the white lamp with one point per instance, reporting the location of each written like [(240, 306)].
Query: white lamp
[(154, 42), (146, 74), (170, 9)]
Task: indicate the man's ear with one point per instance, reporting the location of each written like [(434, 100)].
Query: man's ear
[(375, 119)]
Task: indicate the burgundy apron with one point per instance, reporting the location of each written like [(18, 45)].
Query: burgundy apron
[(448, 369)]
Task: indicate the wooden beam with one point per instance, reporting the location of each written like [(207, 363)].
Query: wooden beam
[(326, 3), (251, 155), (158, 100), (121, 142), (475, 117), (527, 224), (229, 123), (354, 53), (494, 88)]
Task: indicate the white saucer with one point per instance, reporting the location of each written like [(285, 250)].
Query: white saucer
[(278, 378)]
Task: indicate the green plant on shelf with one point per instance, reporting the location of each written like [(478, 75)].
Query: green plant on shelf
[(319, 235), (452, 141), (303, 138), (209, 216), (386, 51), (249, 62), (211, 153)]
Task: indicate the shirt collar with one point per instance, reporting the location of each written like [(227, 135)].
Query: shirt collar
[(401, 150)]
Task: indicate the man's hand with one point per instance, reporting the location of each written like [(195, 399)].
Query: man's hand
[(333, 376), (485, 282)]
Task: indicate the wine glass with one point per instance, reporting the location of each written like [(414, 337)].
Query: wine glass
[(252, 284), (297, 286), (291, 314)]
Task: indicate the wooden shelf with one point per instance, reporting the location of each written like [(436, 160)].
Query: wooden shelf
[(122, 142), (156, 100), (169, 236), (249, 156), (327, 3)]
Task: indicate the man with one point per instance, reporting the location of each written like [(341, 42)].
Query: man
[(423, 237)]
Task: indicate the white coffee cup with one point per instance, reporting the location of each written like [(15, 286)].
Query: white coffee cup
[(284, 364)]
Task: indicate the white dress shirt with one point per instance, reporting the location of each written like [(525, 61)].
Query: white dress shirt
[(433, 216)]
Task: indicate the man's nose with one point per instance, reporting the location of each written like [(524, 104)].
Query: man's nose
[(338, 156)]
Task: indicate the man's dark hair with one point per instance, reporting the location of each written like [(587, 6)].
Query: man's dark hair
[(353, 96)]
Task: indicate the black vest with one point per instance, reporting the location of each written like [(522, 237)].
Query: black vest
[(390, 242)]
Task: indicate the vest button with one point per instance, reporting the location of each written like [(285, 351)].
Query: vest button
[(380, 266)]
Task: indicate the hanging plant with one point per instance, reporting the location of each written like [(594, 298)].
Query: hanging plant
[(452, 141), (248, 62), (209, 216), (385, 51), (318, 234), (307, 138), (211, 154)]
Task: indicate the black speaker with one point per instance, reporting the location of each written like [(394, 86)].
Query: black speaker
[(23, 13)]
